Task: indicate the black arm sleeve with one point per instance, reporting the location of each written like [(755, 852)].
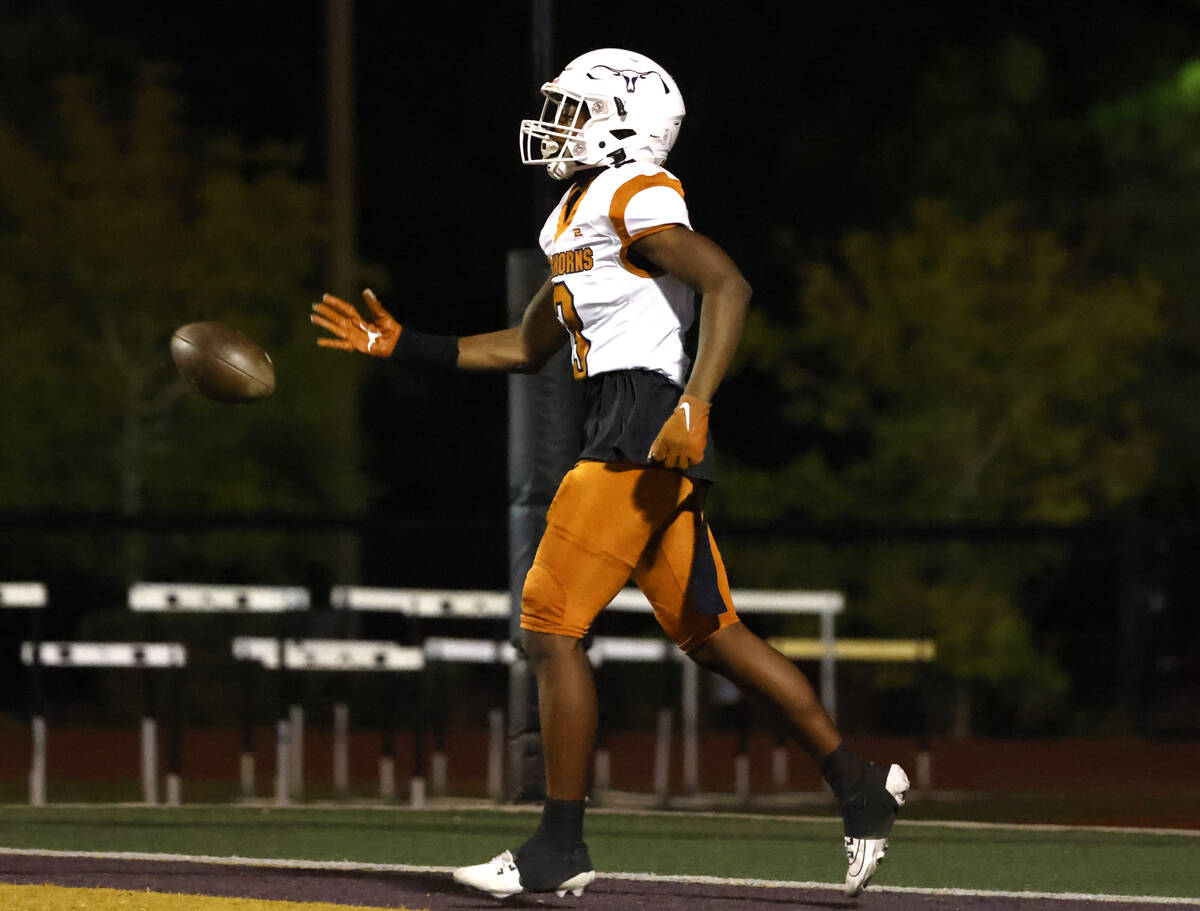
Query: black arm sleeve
[(422, 348)]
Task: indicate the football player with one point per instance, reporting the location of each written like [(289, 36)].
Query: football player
[(624, 265)]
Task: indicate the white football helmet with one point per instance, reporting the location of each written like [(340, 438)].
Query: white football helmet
[(606, 107)]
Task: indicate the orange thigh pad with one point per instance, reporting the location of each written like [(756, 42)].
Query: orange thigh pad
[(609, 521)]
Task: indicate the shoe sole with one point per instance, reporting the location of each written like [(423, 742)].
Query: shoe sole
[(575, 885)]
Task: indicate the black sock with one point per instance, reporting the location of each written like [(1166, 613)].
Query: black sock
[(556, 851), (844, 772), (562, 822)]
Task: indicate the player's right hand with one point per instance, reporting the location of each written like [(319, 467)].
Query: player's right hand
[(681, 442), (376, 337)]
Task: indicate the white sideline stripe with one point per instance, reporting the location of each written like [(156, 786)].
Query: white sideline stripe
[(900, 823), (912, 890), (629, 877), (490, 807), (1047, 827), (232, 861)]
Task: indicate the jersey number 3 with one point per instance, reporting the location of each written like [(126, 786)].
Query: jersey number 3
[(564, 305)]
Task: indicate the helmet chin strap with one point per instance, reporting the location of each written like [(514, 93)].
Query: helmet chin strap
[(561, 169)]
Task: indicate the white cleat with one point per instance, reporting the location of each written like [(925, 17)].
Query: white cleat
[(866, 854), (500, 878)]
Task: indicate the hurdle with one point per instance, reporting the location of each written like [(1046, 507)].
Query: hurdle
[(346, 655), (204, 598), (421, 604), (628, 649), (602, 649), (473, 604), (140, 655), (31, 596), (449, 650)]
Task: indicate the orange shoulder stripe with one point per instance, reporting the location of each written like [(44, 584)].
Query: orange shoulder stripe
[(616, 213)]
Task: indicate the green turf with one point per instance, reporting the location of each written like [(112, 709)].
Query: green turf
[(734, 846)]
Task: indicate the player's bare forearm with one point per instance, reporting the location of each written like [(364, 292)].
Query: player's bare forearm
[(722, 315), (523, 348), (725, 295)]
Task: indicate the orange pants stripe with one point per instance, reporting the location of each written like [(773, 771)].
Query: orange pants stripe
[(610, 522)]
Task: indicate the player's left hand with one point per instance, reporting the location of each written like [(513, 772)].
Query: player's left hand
[(681, 442), (376, 337)]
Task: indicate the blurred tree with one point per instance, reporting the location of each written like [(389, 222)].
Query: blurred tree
[(123, 227), (1114, 169), (956, 370), (982, 128), (1149, 150)]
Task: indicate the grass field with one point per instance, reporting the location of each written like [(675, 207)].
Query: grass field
[(924, 854)]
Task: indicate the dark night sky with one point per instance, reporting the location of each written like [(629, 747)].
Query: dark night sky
[(783, 98)]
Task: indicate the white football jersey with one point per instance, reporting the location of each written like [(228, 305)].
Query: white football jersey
[(619, 316)]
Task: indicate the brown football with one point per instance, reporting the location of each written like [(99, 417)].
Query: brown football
[(222, 363)]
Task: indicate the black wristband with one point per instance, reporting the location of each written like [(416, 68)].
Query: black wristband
[(423, 348)]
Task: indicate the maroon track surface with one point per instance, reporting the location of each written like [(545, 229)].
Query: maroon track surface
[(437, 891)]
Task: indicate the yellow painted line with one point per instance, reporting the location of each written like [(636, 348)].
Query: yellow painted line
[(62, 898), (858, 649)]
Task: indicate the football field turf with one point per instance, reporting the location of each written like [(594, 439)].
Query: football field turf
[(924, 854)]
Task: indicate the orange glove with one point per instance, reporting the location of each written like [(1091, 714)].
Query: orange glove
[(681, 442), (376, 338)]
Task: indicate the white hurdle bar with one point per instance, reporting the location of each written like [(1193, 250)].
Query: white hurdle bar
[(329, 654), (347, 655), (32, 596), (114, 655), (106, 654), (422, 602), (22, 594), (203, 598)]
